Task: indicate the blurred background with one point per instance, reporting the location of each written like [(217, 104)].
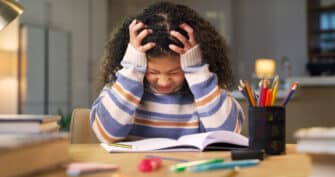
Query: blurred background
[(50, 55)]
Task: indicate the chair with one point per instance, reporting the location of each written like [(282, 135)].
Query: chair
[(80, 129)]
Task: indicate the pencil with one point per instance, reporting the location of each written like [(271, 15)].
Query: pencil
[(249, 93), (121, 145), (274, 89), (290, 92)]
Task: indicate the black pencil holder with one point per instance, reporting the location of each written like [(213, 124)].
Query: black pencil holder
[(267, 129)]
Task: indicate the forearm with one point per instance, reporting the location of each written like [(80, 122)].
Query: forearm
[(112, 113), (216, 108)]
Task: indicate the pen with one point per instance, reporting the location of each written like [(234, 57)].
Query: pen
[(225, 165), (290, 93), (121, 145), (183, 166)]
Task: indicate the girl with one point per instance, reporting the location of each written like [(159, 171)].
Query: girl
[(166, 73)]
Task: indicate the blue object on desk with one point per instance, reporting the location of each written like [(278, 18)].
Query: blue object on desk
[(225, 165)]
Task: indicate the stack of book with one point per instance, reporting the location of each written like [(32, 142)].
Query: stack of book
[(28, 123), (28, 154), (319, 144)]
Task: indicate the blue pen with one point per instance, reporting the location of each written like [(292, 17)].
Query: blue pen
[(225, 165)]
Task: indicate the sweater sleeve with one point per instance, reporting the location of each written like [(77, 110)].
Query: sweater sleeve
[(112, 113), (217, 109)]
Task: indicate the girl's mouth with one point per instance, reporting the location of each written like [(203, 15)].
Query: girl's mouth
[(163, 89)]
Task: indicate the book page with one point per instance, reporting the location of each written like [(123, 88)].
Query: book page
[(202, 140), (149, 144)]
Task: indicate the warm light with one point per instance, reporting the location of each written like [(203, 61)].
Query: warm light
[(265, 68)]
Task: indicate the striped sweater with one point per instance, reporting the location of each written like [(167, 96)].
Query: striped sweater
[(125, 108)]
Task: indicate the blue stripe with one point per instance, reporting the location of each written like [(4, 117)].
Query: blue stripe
[(204, 88), (174, 98), (121, 103), (214, 107), (147, 114), (110, 124), (134, 87), (150, 132)]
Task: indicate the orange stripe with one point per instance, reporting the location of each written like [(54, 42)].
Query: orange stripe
[(164, 123), (128, 96), (209, 97), (103, 133)]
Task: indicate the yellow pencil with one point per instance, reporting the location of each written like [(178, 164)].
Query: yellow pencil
[(274, 89)]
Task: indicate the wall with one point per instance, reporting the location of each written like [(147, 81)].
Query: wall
[(263, 28), (85, 20), (8, 69)]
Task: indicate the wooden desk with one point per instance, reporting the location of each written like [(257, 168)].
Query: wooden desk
[(292, 164)]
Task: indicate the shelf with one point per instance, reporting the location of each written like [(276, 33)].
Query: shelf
[(322, 9)]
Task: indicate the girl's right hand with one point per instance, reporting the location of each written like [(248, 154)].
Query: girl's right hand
[(136, 38)]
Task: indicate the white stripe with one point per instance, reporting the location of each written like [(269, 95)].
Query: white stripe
[(217, 119), (132, 74), (118, 114), (167, 108), (202, 75)]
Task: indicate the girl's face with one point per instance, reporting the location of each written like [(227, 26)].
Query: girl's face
[(164, 74)]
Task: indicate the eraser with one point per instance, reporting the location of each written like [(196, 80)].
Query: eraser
[(247, 154)]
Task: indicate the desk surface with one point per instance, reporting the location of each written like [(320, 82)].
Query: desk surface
[(291, 164)]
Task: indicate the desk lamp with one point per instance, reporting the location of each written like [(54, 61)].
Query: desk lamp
[(265, 68)]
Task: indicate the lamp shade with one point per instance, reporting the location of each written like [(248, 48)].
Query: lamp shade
[(9, 10), (265, 68)]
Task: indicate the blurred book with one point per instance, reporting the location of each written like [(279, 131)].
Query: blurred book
[(28, 123), (23, 154), (319, 144), (316, 140)]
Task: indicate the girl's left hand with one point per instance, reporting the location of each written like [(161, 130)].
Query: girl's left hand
[(188, 43)]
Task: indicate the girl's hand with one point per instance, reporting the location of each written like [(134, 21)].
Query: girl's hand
[(136, 38), (188, 43)]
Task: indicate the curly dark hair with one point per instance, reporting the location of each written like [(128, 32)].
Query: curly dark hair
[(161, 18)]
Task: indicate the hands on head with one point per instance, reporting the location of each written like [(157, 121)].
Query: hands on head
[(137, 37)]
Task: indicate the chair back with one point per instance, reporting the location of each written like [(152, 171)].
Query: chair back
[(80, 129)]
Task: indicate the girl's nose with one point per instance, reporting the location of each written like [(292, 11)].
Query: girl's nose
[(163, 81)]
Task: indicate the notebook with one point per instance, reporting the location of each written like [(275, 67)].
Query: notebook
[(214, 140)]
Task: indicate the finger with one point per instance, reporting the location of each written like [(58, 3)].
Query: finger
[(147, 46), (132, 23), (131, 26), (181, 38), (137, 27), (176, 49), (190, 32), (143, 34)]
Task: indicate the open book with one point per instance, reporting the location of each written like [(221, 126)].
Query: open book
[(195, 142)]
